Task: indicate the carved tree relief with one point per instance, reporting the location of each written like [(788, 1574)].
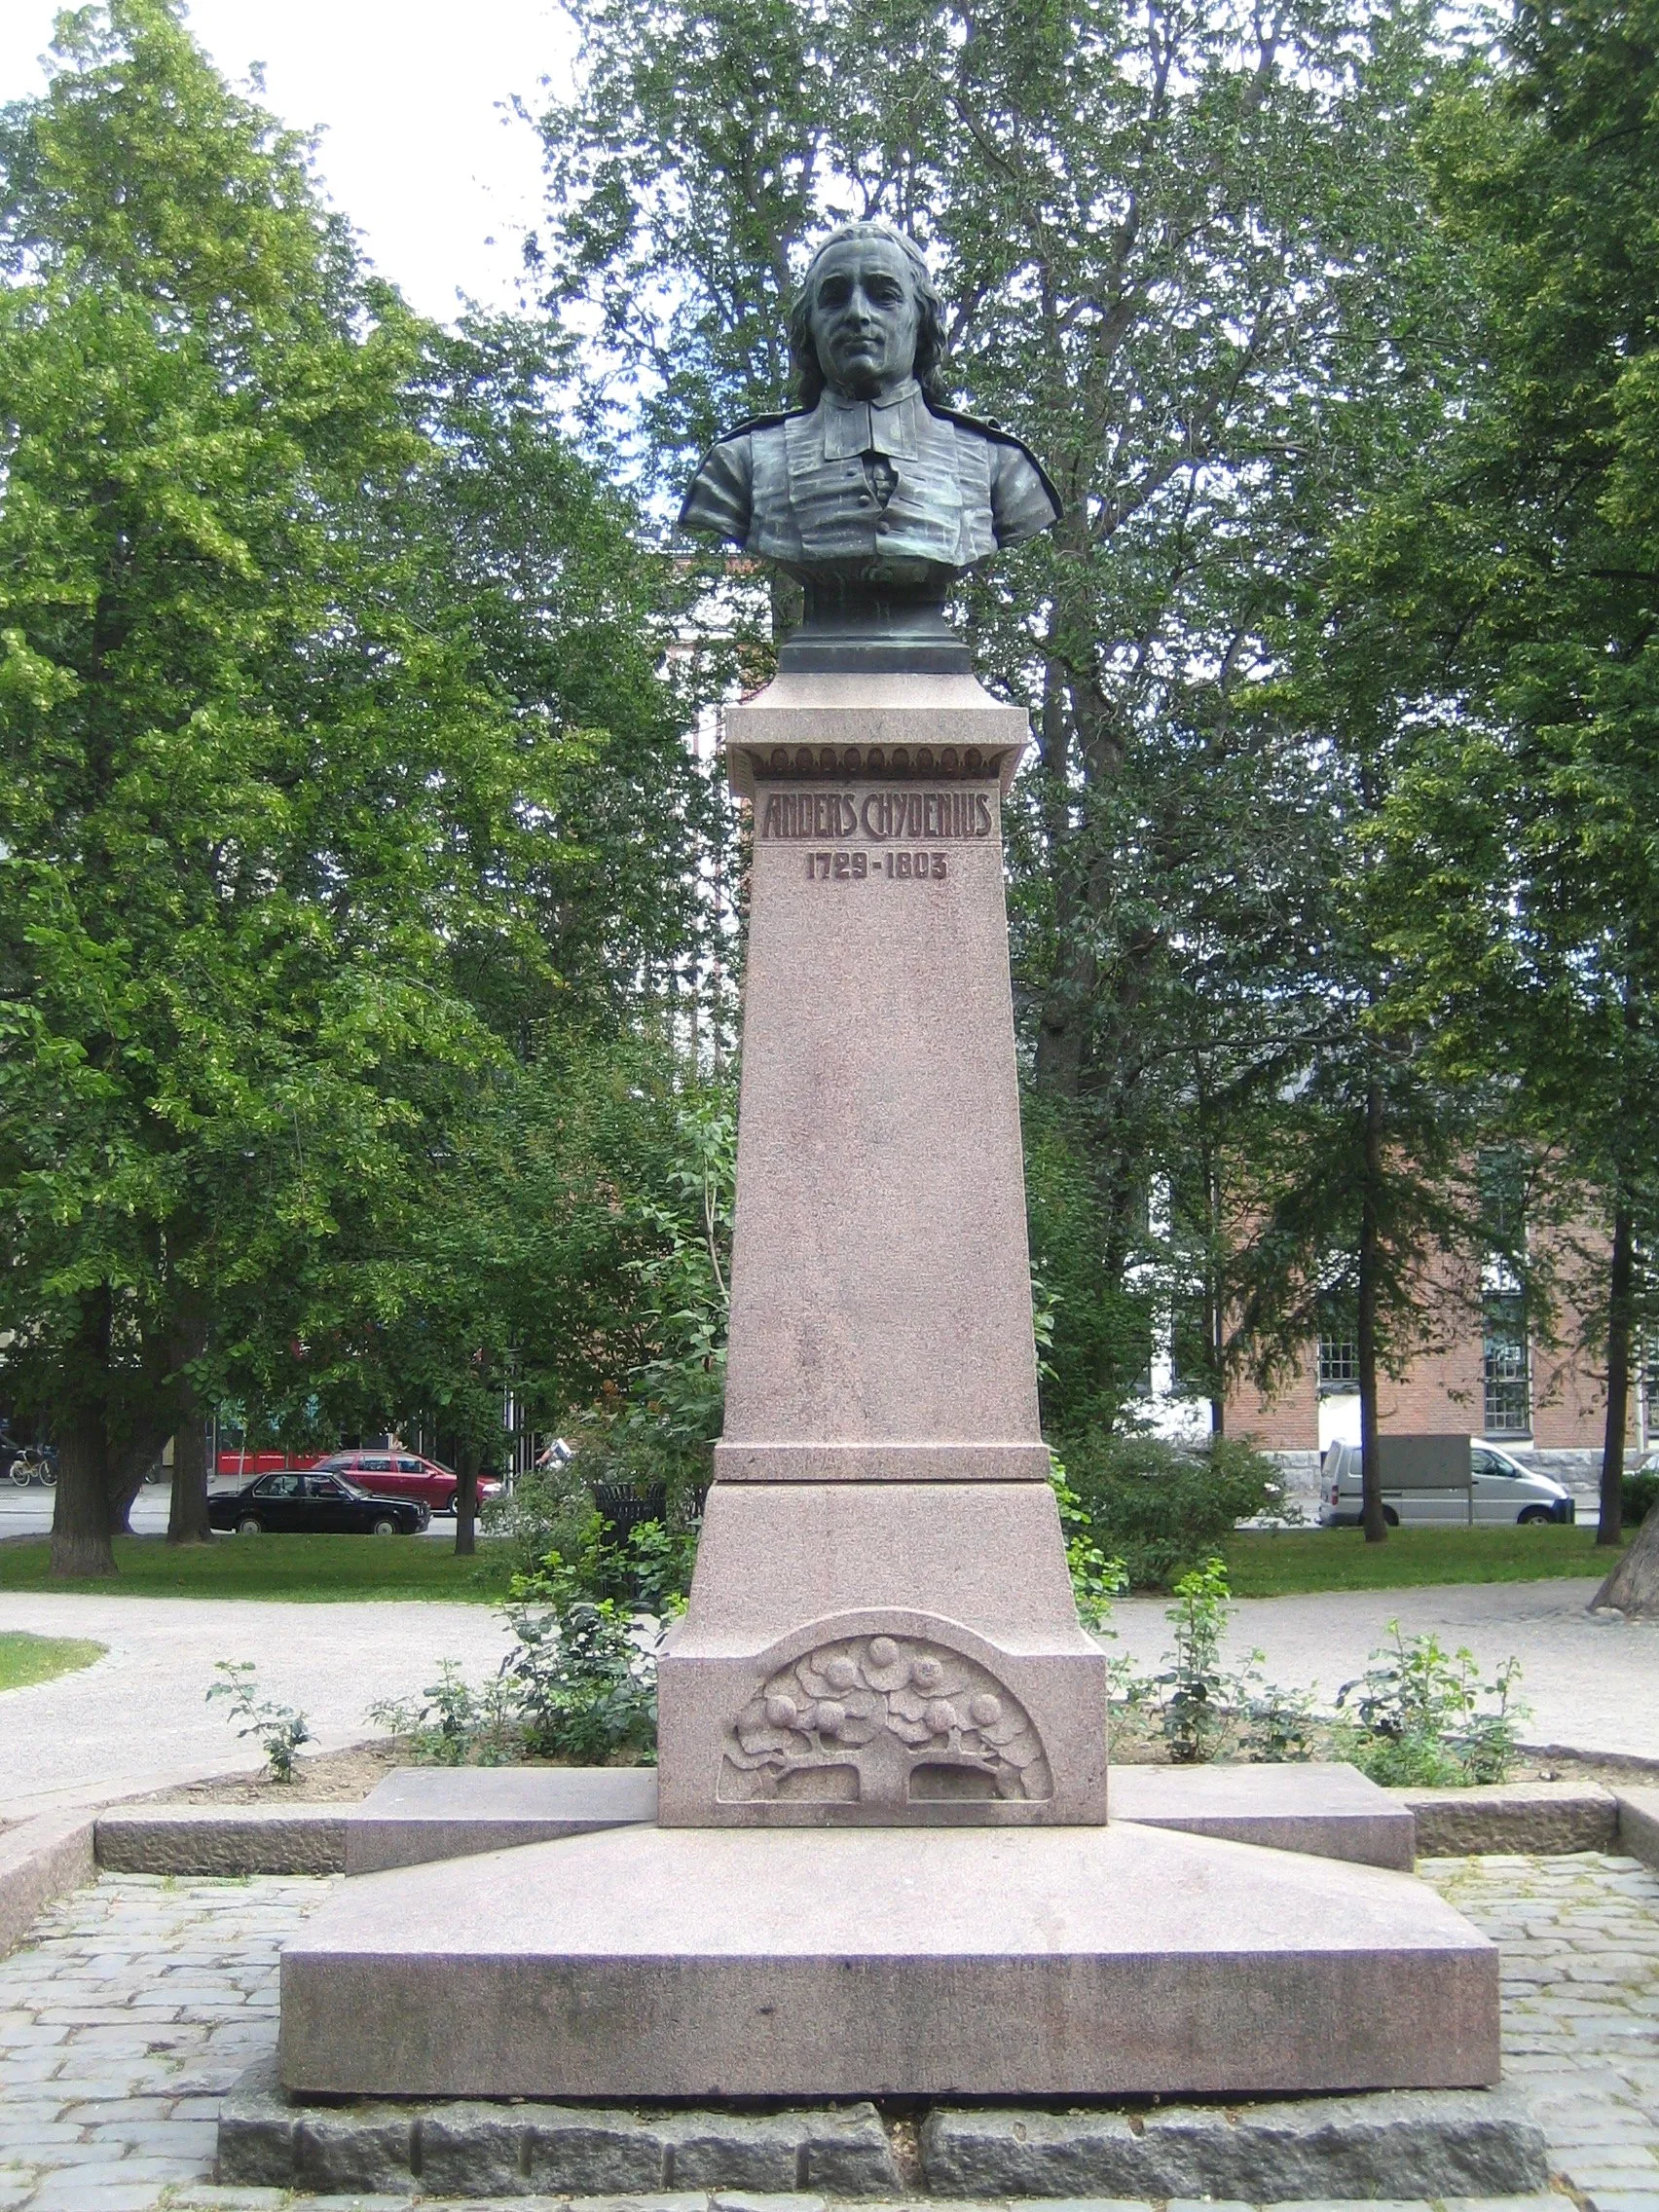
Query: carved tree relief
[(883, 1720)]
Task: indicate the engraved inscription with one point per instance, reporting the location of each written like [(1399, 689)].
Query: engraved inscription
[(885, 1721), (883, 817), (871, 867)]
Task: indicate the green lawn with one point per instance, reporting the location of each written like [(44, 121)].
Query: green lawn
[(1276, 1562), (26, 1658), (319, 1567), (1261, 1564)]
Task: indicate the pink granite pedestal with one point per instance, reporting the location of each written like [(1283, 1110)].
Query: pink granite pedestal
[(881, 1630)]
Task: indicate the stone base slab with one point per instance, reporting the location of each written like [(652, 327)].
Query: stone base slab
[(421, 1814), (1329, 1810), (1441, 2143), (701, 1963)]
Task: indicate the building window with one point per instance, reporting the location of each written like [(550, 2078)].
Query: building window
[(1339, 1363), (1508, 1396)]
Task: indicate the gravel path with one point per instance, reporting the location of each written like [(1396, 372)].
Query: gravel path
[(1590, 1685), (1590, 1681), (142, 1999), (139, 1719)]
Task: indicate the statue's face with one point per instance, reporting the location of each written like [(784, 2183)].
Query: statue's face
[(864, 318)]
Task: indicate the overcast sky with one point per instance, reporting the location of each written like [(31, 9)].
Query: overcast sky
[(415, 148)]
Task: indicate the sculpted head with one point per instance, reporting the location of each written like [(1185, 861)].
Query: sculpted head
[(867, 316)]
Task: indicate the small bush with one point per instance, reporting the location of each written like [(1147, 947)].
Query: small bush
[(1161, 1510), (1640, 1494), (1425, 1718), (278, 1729), (453, 1724)]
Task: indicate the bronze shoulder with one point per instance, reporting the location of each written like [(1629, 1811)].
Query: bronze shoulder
[(998, 436)]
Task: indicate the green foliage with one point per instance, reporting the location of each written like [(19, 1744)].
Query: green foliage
[(1194, 1716), (679, 1397), (453, 1724), (336, 764), (1426, 1718), (584, 1674), (1095, 1579), (1640, 1495), (1159, 1508), (279, 1729), (1414, 1717), (1186, 253)]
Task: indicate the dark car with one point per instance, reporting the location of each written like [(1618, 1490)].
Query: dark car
[(406, 1474), (313, 1503)]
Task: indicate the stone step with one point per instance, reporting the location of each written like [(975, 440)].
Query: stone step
[(1079, 1962)]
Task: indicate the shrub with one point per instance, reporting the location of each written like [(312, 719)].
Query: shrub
[(583, 1675), (453, 1724), (279, 1729), (1095, 1579), (1425, 1718), (1163, 1510), (1640, 1492), (548, 1509)]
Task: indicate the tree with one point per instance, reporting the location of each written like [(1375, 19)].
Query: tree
[(1518, 570), (1183, 253), (267, 811)]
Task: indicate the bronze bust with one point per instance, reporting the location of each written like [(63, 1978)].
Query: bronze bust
[(873, 493)]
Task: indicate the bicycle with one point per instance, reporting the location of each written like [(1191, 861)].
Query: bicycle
[(34, 1463)]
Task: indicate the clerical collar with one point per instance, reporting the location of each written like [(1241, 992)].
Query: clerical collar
[(888, 425)]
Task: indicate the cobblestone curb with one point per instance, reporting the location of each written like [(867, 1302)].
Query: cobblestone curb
[(222, 1839), (206, 1840), (1400, 2143), (1547, 1816), (1436, 2142), (41, 1860), (469, 2149)]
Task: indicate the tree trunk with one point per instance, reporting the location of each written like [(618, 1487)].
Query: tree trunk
[(80, 1514), (125, 1472), (1370, 1463), (187, 1513), (1634, 1584), (1610, 1530), (467, 1501)]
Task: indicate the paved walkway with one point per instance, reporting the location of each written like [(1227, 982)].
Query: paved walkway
[(1590, 1681), (1580, 1944), (142, 1999), (139, 1718)]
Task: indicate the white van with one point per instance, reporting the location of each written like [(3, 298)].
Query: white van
[(1455, 1480)]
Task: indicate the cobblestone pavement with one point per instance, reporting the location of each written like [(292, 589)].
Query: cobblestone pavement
[(142, 1999), (1580, 1944)]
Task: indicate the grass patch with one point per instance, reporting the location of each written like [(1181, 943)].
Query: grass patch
[(26, 1659), (315, 1568), (1278, 1563)]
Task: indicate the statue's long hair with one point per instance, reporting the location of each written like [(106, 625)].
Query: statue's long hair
[(930, 315)]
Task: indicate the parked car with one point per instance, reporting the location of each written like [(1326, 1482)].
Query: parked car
[(405, 1474), (1455, 1481), (312, 1503)]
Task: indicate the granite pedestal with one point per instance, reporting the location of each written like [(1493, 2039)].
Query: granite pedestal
[(880, 1864), (881, 1629)]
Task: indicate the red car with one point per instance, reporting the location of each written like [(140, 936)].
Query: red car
[(405, 1474)]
